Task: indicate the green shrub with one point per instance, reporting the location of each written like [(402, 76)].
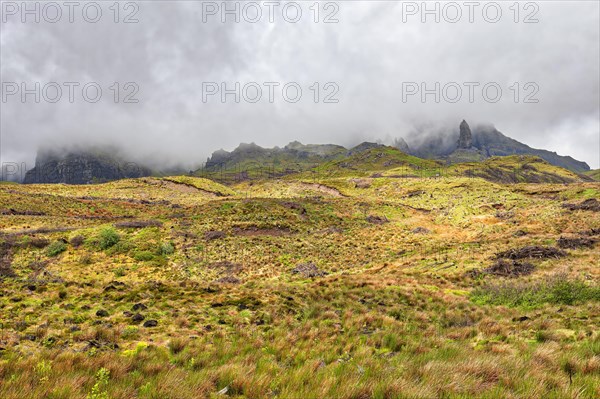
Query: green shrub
[(119, 271), (143, 256), (166, 248), (43, 369), (130, 332), (56, 248), (108, 238), (99, 388)]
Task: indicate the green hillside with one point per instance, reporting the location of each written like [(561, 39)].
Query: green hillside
[(594, 174)]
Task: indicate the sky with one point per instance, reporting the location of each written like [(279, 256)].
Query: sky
[(339, 72)]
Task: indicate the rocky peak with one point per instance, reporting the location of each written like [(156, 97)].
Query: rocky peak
[(465, 140), (363, 147), (401, 144)]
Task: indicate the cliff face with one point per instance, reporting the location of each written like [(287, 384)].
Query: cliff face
[(465, 139), (401, 144), (81, 167)]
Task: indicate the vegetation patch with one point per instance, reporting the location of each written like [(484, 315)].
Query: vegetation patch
[(108, 238), (558, 289), (56, 248)]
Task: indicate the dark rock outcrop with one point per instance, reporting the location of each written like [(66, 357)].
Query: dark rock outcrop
[(150, 323), (81, 167), (401, 144), (465, 140)]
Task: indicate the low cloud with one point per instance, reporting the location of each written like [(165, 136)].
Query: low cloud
[(369, 56)]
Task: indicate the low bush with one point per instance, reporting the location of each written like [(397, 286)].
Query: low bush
[(56, 248), (166, 248), (108, 238), (143, 256)]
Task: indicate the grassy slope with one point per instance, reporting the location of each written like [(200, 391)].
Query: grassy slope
[(517, 169), (594, 174), (394, 317)]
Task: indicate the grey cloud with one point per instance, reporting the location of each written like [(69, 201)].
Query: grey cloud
[(369, 53)]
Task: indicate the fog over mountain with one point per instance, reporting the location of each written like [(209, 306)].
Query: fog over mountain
[(370, 54)]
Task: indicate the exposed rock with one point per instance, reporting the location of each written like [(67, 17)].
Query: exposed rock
[(576, 242), (115, 286), (214, 235), (415, 193), (465, 139), (521, 318), (400, 144), (421, 230), (590, 232), (150, 323), (228, 280), (308, 270), (377, 219), (532, 252), (138, 307), (361, 183), (81, 167), (509, 268), (136, 318), (590, 204), (295, 206), (77, 241), (15, 212)]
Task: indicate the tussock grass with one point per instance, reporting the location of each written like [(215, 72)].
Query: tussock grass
[(388, 310), (558, 289)]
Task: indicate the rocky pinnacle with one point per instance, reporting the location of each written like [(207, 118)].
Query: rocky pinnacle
[(465, 139)]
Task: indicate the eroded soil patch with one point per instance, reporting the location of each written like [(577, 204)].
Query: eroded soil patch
[(532, 251)]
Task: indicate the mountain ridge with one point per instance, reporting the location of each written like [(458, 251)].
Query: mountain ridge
[(94, 165), (485, 141)]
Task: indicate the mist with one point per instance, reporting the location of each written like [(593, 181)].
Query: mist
[(165, 60)]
